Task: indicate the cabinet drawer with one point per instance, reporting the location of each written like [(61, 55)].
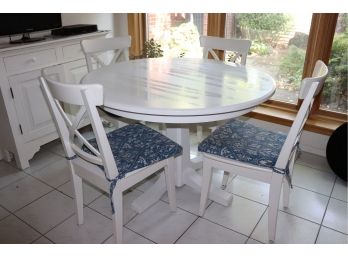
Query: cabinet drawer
[(30, 61), (72, 51)]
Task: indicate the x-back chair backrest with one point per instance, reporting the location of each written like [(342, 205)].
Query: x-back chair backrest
[(239, 46), (310, 87), (93, 47), (88, 97)]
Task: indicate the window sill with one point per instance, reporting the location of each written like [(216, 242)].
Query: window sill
[(318, 123)]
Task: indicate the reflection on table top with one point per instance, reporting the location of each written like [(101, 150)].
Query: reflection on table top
[(181, 86)]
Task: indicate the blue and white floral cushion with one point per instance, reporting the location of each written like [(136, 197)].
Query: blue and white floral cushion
[(137, 146), (244, 142)]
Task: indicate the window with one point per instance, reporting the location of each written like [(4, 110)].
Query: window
[(177, 33), (279, 43), (334, 95)]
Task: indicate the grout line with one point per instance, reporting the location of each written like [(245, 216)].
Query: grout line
[(185, 230), (249, 237), (139, 234), (327, 205)]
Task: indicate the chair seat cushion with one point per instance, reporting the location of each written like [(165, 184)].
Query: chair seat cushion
[(137, 146), (244, 142)]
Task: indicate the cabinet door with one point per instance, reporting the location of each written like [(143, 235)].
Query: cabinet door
[(31, 107), (74, 71)]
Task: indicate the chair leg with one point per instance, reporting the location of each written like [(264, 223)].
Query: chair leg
[(199, 132), (170, 181), (286, 194), (77, 185), (206, 181), (225, 180), (117, 199), (274, 197)]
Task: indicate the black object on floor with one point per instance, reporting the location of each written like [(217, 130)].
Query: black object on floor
[(336, 151)]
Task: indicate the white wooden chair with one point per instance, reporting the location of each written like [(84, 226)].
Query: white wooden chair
[(114, 161), (96, 53), (239, 46), (244, 149), (92, 48)]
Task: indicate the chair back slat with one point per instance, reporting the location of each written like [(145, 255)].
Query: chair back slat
[(319, 75), (310, 87), (239, 46), (296, 130), (93, 47), (88, 97)]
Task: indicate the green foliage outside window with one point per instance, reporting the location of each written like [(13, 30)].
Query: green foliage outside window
[(336, 82), (291, 66), (152, 49)]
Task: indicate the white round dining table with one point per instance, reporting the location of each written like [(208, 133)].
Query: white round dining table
[(179, 91)]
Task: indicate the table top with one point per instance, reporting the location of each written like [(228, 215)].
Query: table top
[(181, 89)]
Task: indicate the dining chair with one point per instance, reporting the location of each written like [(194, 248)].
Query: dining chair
[(92, 48), (97, 53), (247, 150), (239, 46), (113, 161)]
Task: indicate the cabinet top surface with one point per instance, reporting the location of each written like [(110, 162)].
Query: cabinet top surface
[(4, 47)]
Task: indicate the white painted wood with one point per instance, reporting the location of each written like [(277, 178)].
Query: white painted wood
[(177, 91), (193, 90), (83, 166), (93, 47), (239, 46), (20, 68), (286, 159)]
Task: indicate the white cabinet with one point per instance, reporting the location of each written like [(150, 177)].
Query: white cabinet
[(25, 120), (31, 108)]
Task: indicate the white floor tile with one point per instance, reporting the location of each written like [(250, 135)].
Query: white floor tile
[(42, 240), (55, 174), (160, 224), (22, 192), (290, 230), (340, 190), (9, 174), (48, 211), (90, 193), (252, 241), (314, 161), (102, 205), (40, 160), (312, 179), (336, 215), (241, 216), (187, 199), (55, 147), (129, 237), (249, 188), (3, 213), (329, 236), (205, 232), (306, 204), (95, 229), (14, 231)]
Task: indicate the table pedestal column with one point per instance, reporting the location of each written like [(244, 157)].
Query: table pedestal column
[(185, 175)]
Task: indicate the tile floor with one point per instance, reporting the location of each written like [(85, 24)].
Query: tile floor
[(37, 206)]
